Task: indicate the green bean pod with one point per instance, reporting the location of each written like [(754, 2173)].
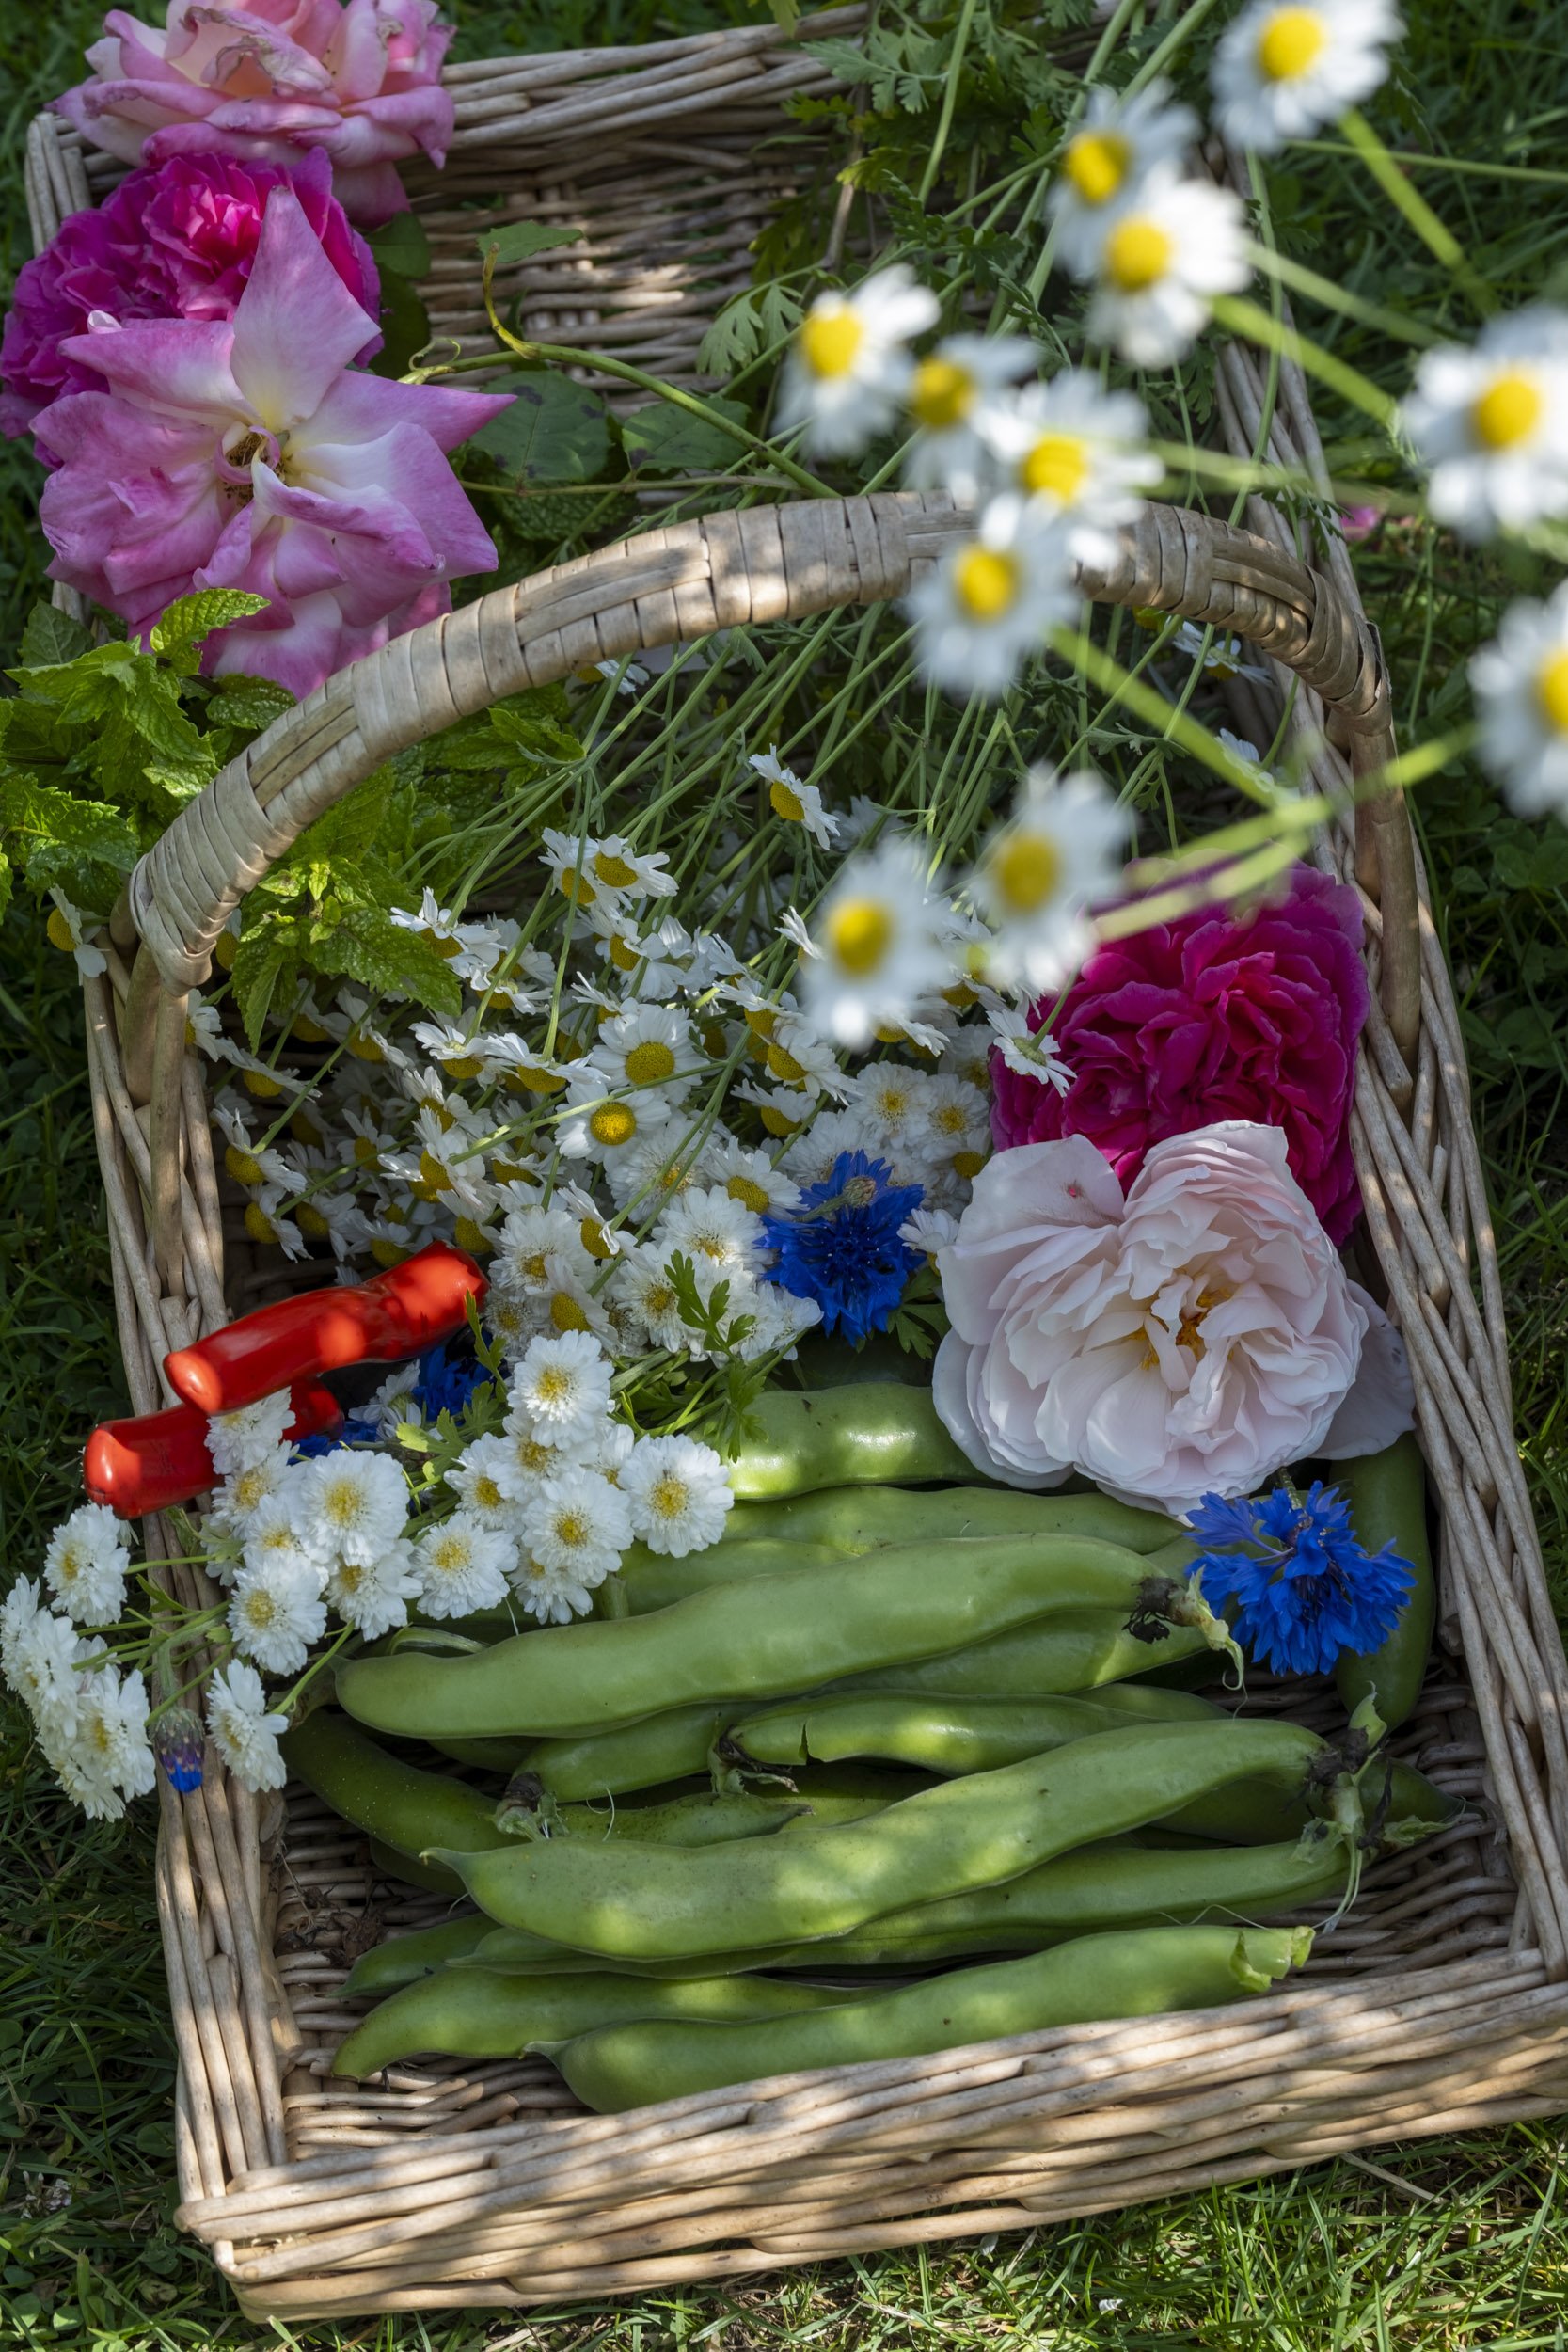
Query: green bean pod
[(401, 1958), (941, 1735), (674, 1745), (874, 1432), (755, 1641), (469, 2013), (1139, 1973), (1387, 1493), (656, 1582), (390, 1862), (851, 1518), (1069, 1650), (650, 1902), (1256, 1812)]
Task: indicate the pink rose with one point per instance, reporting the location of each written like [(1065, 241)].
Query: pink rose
[(269, 80), (173, 242), (248, 453), (1212, 1017), (1192, 1337)]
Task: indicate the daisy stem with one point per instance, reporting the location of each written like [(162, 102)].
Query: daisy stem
[(1249, 319), (1334, 297), (1439, 240), (1080, 649), (949, 101), (291, 1699)]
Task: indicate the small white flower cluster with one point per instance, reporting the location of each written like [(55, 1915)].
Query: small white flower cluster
[(89, 1717)]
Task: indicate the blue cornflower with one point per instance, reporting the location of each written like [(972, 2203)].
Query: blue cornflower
[(352, 1433), (1307, 1587), (841, 1245), (447, 1381), (176, 1738)]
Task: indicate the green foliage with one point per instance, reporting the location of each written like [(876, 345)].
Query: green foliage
[(759, 319), (664, 439), (401, 254), (521, 240), (555, 430)]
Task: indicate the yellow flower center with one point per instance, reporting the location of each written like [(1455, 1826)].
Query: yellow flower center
[(259, 1607), (351, 1577), (451, 1554), (1551, 684), (749, 1195), (649, 1063), (385, 1253), (612, 1124), (539, 1081), (572, 1528), (534, 1456), (1507, 412), (343, 1503), (669, 1495), (614, 871), (57, 931), (432, 1172), (576, 887), (660, 1298), (487, 1494), (1290, 43), (242, 1166), (786, 803), (311, 1222), (830, 338), (472, 1237), (1026, 870), (777, 1121), (259, 1225), (555, 1383), (1137, 255), (566, 1314), (365, 1152), (594, 1238), (860, 932), (783, 1065), (70, 1565), (943, 394), (362, 1048), (625, 958), (443, 942), (968, 1165), (250, 1489), (950, 1118), (266, 1089), (311, 1032), (1055, 467), (985, 582), (1096, 163)]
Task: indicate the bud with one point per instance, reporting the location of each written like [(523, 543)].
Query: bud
[(177, 1742)]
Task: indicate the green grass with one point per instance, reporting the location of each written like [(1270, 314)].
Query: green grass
[(1440, 2244)]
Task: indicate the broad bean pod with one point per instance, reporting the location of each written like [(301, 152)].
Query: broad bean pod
[(1070, 1650), (1256, 1812), (1387, 1493), (858, 1518), (869, 1432), (940, 1735), (402, 1957)]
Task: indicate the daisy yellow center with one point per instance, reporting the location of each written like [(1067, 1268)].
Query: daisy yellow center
[(968, 1165), (749, 1195), (985, 582), (250, 1489), (1055, 467), (245, 1167), (58, 932), (1026, 870), (777, 1123), (259, 1225), (1551, 684), (566, 1314), (1291, 44), (576, 887), (614, 871), (649, 1064), (572, 1528), (892, 1105), (539, 1081), (941, 395), (612, 1124), (830, 340), (786, 803), (1096, 163), (365, 1152), (668, 1496), (860, 932), (1137, 256), (1507, 412), (783, 1065), (595, 1239), (625, 958), (311, 1222), (267, 1089), (465, 1233), (431, 1171)]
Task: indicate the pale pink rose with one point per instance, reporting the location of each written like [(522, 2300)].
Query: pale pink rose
[(267, 80), (1191, 1338), (246, 453)]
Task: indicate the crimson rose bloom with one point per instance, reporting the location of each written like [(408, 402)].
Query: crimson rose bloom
[(1212, 1017), (176, 243)]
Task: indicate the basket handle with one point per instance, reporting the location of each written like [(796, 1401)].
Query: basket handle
[(757, 565)]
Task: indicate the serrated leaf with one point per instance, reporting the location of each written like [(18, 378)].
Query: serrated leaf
[(339, 836), (663, 439), (404, 325), (251, 703), (265, 953), (5, 881), (554, 430), (188, 620), (52, 637), (41, 816), (521, 240), (754, 322), (401, 246), (362, 944)]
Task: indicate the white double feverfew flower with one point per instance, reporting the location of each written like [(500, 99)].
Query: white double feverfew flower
[(849, 368), (953, 394), (530, 1237), (246, 1491), (250, 1434), (350, 1505), (85, 1563), (879, 944), (41, 1654), (108, 1757), (374, 1595), (1491, 423), (276, 1612), (461, 1565), (478, 1479), (992, 600), (1073, 450), (561, 1389), (1036, 879), (958, 1118), (797, 803), (679, 1494), (1160, 266), (715, 1230), (1282, 70), (577, 1524), (894, 1102), (1105, 164), (642, 1288), (244, 1733), (1520, 681)]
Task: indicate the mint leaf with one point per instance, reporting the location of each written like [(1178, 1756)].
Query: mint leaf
[(663, 438), (521, 240), (266, 951), (554, 430), (38, 816), (362, 944), (401, 245), (251, 703), (52, 637), (179, 631)]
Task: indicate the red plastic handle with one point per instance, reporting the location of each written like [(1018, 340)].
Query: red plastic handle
[(392, 1315), (162, 1458)]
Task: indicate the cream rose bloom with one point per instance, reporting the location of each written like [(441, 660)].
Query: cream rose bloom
[(1191, 1338)]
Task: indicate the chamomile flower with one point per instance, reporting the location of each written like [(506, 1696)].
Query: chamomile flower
[(266, 1221), (561, 1386), (85, 1563), (750, 1177), (893, 1100), (795, 801), (849, 368), (1520, 681), (350, 1505), (600, 1125), (958, 1120), (1072, 449), (435, 923), (244, 1733), (250, 1434), (796, 1055), (477, 1479), (67, 929), (714, 1230), (1160, 266), (586, 869), (1117, 147), (568, 1304), (108, 1756), (1031, 1052), (992, 600), (372, 1595), (648, 1047), (879, 939), (679, 1493), (576, 1524), (1491, 423), (1038, 876), (275, 1614), (461, 1565), (458, 1050), (953, 395), (249, 1164), (1282, 70)]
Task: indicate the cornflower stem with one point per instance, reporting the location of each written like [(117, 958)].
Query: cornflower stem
[(1439, 241), (1250, 320)]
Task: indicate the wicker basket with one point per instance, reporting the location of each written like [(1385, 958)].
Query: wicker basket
[(1443, 2003)]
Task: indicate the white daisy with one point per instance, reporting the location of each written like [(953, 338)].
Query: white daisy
[(578, 1524), (1072, 449), (796, 1054), (252, 1164), (1160, 264), (1491, 423), (930, 1230), (1036, 877), (435, 923), (849, 368), (797, 803), (1032, 1052), (461, 1565), (881, 950), (1520, 682), (374, 1595), (1107, 160), (627, 676), (601, 1124), (253, 1433), (750, 1177), (244, 1733), (561, 1389), (108, 1756), (350, 1505), (275, 1614), (67, 928), (648, 1047), (894, 1100), (475, 1478), (586, 869), (1282, 70), (679, 1493), (266, 1221), (85, 1564), (712, 1228), (953, 395), (992, 600)]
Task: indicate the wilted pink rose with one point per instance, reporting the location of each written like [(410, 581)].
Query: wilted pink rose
[(248, 454), (1189, 1339), (173, 242), (1212, 1017), (267, 81)]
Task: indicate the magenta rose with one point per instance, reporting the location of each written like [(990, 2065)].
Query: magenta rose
[(1210, 1018), (268, 81), (174, 243)]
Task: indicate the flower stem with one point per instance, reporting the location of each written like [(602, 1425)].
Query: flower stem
[(949, 101), (1247, 318), (1417, 211)]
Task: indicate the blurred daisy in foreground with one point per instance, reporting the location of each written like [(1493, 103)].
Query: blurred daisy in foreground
[(1281, 72), (1491, 423), (1160, 266), (992, 600), (1520, 681), (849, 368), (953, 396), (1036, 879), (1106, 162), (797, 803), (1073, 450), (880, 945)]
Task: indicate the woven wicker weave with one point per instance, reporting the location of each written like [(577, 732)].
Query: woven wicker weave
[(1443, 2002)]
